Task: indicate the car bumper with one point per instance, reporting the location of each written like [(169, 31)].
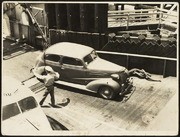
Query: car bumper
[(127, 88)]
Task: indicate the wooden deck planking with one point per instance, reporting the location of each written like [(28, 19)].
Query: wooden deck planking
[(157, 99), (133, 113), (142, 110), (89, 112)]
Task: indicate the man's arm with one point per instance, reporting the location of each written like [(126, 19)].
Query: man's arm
[(35, 72), (56, 75)]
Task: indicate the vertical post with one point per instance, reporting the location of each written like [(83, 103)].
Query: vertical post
[(83, 17), (57, 16), (50, 40), (160, 16), (73, 17), (96, 24), (127, 21), (28, 34), (91, 18), (164, 68), (127, 62), (32, 36), (122, 6), (101, 17), (69, 17), (51, 15), (11, 28), (96, 18), (20, 30), (161, 6), (101, 20), (141, 16), (61, 16)]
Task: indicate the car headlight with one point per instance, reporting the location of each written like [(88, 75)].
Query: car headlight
[(115, 76), (126, 71)]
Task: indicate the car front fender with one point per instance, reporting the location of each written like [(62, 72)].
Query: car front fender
[(96, 84)]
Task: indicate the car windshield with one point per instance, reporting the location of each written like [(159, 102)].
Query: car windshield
[(90, 57), (10, 111), (27, 104)]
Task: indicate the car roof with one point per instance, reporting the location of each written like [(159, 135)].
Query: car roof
[(69, 49)]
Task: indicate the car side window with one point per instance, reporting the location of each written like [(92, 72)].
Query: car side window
[(51, 57), (71, 61)]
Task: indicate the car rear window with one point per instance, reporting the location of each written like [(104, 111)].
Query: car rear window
[(51, 57)]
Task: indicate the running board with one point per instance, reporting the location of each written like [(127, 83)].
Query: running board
[(78, 86)]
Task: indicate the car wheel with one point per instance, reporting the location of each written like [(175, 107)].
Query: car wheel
[(106, 92)]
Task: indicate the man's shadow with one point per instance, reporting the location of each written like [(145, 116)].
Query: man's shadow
[(64, 103), (58, 105)]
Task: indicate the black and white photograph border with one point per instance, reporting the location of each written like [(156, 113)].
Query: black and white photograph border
[(90, 68)]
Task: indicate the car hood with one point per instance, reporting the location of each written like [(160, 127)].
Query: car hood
[(104, 65)]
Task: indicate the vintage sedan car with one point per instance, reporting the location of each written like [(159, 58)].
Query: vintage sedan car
[(80, 66)]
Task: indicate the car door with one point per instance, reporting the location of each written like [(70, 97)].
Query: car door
[(53, 61), (73, 70)]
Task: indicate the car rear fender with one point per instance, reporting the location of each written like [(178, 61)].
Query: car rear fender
[(95, 85)]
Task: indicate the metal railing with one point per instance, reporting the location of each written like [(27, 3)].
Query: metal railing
[(153, 16), (128, 56)]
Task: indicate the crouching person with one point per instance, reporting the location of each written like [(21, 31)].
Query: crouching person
[(48, 80)]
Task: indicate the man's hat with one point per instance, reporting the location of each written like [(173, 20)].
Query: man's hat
[(48, 68)]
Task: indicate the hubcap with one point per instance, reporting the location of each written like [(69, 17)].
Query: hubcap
[(106, 92)]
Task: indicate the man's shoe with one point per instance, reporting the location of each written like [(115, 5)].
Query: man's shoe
[(54, 106), (40, 103)]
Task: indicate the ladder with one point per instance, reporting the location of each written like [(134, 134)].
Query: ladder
[(36, 24)]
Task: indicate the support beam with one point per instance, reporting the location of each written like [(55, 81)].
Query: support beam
[(101, 21), (51, 15), (73, 17), (83, 17), (61, 16), (172, 8), (57, 12), (87, 17), (101, 18)]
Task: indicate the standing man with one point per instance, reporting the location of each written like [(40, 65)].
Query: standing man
[(48, 80)]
